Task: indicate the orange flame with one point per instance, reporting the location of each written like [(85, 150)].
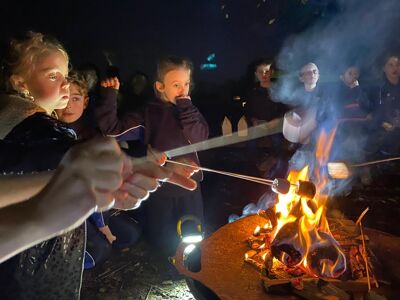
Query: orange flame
[(302, 235)]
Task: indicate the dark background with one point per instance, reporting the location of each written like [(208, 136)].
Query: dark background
[(136, 33)]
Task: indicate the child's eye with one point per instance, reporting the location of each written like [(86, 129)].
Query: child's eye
[(53, 76), (176, 85)]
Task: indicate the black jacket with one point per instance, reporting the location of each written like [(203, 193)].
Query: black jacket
[(37, 142)]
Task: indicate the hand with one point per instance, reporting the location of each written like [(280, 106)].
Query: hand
[(110, 83), (387, 126), (108, 234), (84, 180), (99, 162), (183, 170), (141, 176)]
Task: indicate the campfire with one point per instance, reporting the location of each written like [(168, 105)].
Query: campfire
[(298, 246), (295, 247)]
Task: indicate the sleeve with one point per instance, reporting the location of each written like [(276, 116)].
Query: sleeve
[(195, 127), (97, 219), (127, 128)]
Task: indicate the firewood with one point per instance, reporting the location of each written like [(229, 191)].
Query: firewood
[(270, 215), (320, 290), (277, 286), (283, 247), (356, 269), (257, 265)]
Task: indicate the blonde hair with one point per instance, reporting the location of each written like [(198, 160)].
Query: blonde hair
[(24, 52)]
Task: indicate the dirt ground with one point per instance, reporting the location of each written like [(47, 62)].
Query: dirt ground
[(142, 273)]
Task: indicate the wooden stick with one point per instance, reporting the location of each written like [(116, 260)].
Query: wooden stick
[(365, 257), (266, 129), (364, 254)]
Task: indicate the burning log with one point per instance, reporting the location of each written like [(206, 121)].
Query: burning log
[(325, 258), (270, 215), (268, 259), (286, 245)]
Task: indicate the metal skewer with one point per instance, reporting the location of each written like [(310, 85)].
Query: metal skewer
[(340, 170), (279, 185), (235, 175)]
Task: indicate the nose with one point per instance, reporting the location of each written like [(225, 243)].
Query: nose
[(66, 83)]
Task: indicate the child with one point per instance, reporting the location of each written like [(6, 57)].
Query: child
[(36, 70), (259, 105), (103, 229), (170, 121)]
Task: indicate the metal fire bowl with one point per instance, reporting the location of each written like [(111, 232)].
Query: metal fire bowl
[(223, 269)]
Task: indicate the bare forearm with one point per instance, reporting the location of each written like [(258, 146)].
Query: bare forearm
[(17, 188)]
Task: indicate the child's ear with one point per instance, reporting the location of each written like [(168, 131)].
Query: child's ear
[(159, 86), (18, 83), (85, 102)]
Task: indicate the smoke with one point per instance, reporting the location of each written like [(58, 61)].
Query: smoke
[(360, 32)]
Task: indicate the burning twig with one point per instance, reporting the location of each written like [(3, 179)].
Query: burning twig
[(364, 254), (258, 265)]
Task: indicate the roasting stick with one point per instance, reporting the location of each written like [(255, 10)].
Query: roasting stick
[(236, 175), (363, 244), (266, 129), (340, 170)]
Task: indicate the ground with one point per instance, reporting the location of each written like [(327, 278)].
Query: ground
[(142, 273)]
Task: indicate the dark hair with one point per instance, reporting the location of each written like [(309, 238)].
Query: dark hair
[(389, 55), (264, 61), (80, 80)]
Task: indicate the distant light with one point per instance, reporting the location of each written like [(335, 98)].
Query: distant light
[(226, 16), (208, 66), (210, 57)]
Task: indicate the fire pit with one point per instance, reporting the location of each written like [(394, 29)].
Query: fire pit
[(290, 250), (225, 271)]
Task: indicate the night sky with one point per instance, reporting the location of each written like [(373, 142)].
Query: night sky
[(136, 33)]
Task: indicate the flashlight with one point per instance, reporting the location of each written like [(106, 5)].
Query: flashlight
[(189, 229)]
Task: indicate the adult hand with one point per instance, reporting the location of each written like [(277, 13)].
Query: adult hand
[(141, 176), (184, 171)]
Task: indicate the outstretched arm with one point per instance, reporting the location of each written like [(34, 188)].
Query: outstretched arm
[(92, 176)]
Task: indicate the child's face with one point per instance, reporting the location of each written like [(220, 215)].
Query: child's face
[(47, 81), (309, 74), (75, 107), (350, 76), (392, 68), (263, 73), (175, 85)]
